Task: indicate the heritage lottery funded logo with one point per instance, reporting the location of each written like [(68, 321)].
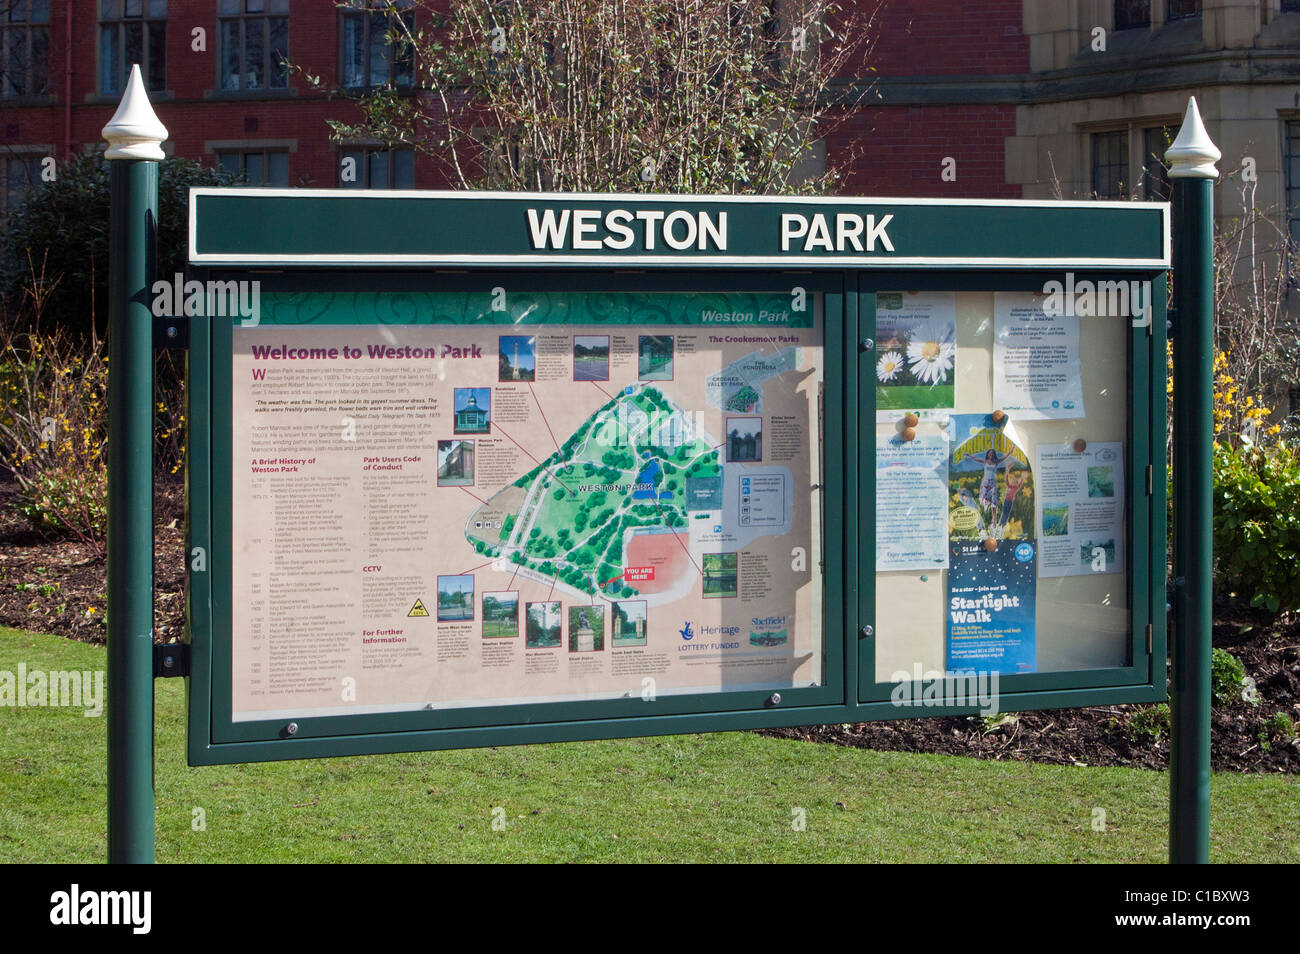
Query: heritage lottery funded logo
[(719, 637)]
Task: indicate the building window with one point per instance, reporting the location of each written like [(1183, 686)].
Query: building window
[(18, 176), (259, 167), (1110, 164), (132, 31), (1155, 174), (1183, 9), (374, 53), (24, 48), (377, 169), (1130, 14), (1292, 147), (254, 44)]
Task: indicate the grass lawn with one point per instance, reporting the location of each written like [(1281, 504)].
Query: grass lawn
[(500, 628), (726, 797), (911, 397)]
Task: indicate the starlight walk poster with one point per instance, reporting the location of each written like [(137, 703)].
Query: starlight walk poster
[(992, 582), (991, 608)]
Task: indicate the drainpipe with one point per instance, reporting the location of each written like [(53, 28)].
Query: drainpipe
[(67, 81)]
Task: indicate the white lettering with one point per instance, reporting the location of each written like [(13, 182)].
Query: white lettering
[(549, 232), (673, 240), (649, 216), (819, 235), (848, 227), (793, 226), (716, 233), (876, 230), (584, 224), (617, 222)]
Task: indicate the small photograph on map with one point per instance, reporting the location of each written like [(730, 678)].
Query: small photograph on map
[(655, 358), (473, 410), (500, 615), (720, 574), (586, 629), (628, 623), (455, 598), (591, 357), (518, 358), (744, 439), (455, 463), (543, 626)]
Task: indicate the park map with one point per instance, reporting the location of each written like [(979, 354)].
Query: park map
[(571, 497)]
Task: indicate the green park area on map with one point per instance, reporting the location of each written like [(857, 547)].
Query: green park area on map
[(625, 469)]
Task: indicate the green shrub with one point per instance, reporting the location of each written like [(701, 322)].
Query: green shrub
[(1226, 675), (1257, 524), (63, 227), (1149, 723), (1280, 728)]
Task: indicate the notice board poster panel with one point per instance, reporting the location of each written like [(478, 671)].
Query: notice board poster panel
[(1004, 513), (457, 500)]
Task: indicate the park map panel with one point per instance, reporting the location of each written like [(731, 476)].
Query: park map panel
[(447, 500)]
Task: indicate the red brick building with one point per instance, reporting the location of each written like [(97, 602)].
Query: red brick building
[(212, 68), (213, 72), (923, 107)]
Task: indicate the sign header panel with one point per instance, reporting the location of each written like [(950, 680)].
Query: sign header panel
[(303, 227)]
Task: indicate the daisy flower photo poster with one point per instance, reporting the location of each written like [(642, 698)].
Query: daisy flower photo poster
[(916, 354)]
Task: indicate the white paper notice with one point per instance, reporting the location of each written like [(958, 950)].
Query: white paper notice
[(912, 503), (1036, 374), (1080, 507)]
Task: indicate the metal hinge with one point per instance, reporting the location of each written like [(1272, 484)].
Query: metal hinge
[(1150, 478), (171, 332), (1149, 630), (171, 659)]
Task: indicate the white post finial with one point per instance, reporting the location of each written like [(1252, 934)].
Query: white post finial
[(134, 132), (1193, 154)]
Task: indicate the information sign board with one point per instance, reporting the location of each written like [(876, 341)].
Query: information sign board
[(484, 469)]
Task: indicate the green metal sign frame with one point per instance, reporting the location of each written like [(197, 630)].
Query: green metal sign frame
[(346, 242)]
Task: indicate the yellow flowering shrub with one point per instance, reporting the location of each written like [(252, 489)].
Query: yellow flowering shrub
[(1238, 418), (1256, 499), (54, 431)]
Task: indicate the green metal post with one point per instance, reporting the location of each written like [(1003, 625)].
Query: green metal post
[(1191, 167), (134, 135)]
